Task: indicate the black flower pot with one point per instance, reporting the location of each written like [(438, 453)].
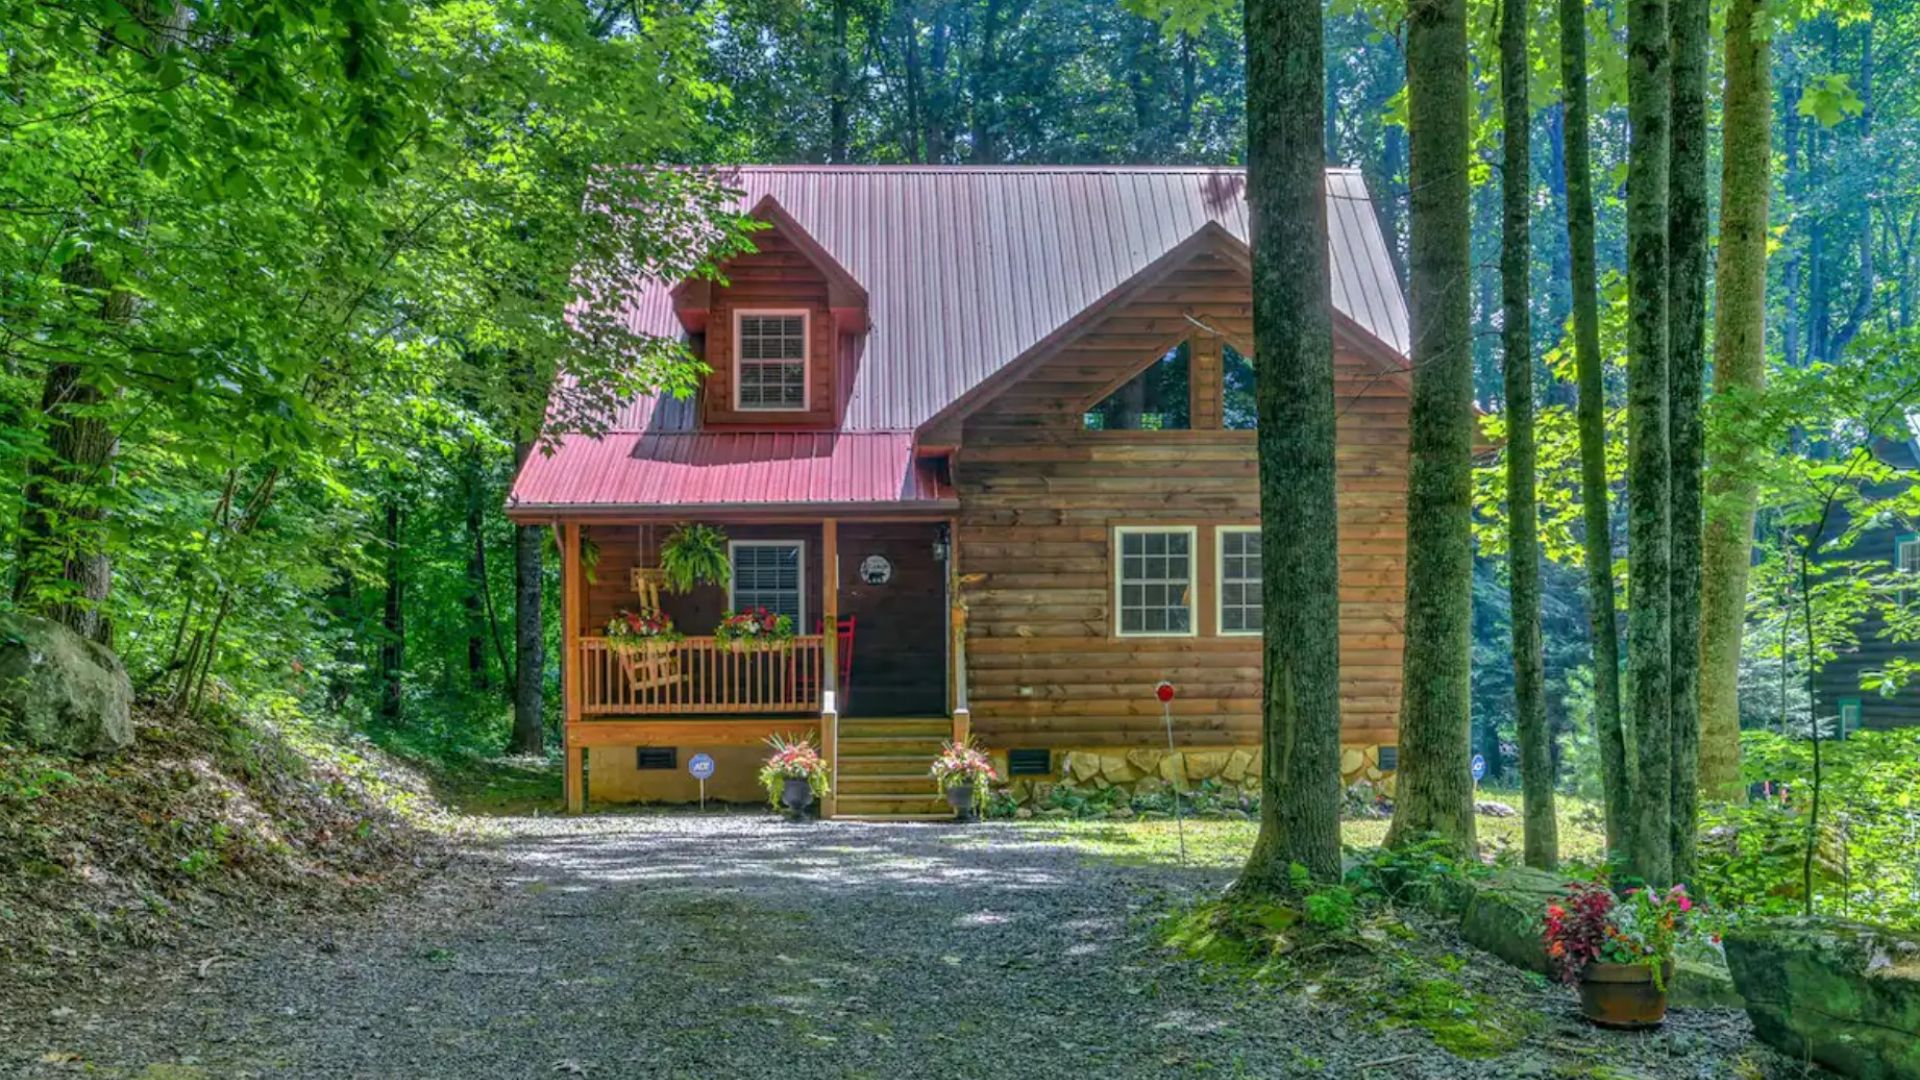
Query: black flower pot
[(960, 797), (796, 795)]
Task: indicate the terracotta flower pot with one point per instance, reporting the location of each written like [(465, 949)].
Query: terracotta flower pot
[(1624, 995)]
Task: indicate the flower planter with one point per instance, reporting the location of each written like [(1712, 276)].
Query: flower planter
[(796, 795), (960, 797), (1624, 995)]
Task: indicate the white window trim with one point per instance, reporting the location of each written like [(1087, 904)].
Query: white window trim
[(1193, 580), (733, 579), (806, 357), (1220, 580), (1902, 544)]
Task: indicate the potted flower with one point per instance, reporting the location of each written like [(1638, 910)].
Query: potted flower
[(963, 772), (1617, 950), (755, 628), (645, 630), (641, 641), (794, 774)]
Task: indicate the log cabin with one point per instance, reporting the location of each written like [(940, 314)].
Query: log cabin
[(986, 436), (1845, 698)]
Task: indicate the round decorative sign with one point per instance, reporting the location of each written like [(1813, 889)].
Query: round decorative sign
[(701, 766), (876, 570)]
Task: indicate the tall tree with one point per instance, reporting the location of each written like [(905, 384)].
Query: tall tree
[(1435, 790), (1541, 842), (393, 618), (1293, 341), (529, 631), (1739, 373), (1686, 370), (1649, 481), (1591, 410)]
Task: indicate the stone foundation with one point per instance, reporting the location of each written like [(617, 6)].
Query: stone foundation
[(1152, 772)]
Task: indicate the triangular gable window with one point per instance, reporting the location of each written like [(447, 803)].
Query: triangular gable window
[(1239, 411), (1154, 400)]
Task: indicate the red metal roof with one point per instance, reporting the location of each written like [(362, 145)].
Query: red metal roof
[(629, 470), (966, 271)]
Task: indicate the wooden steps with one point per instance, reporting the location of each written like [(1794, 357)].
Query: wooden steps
[(883, 769)]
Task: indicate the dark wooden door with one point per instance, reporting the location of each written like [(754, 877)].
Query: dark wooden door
[(900, 635)]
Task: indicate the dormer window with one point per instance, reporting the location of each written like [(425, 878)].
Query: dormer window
[(771, 361)]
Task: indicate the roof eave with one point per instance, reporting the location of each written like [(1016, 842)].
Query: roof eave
[(538, 513)]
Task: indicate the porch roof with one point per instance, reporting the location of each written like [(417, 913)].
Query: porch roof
[(664, 472)]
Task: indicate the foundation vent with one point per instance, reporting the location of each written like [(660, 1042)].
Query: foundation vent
[(1029, 762), (657, 757)]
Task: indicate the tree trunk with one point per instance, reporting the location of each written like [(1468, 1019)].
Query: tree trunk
[(1293, 336), (1650, 464), (393, 625), (529, 634), (840, 90), (985, 115), (1739, 373), (1435, 789), (474, 601), (1687, 294), (1541, 844), (63, 570), (1595, 494)]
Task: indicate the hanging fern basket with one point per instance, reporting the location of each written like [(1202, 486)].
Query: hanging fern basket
[(695, 555)]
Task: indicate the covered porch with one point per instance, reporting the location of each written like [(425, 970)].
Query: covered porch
[(876, 636)]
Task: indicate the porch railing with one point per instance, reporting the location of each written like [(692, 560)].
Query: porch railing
[(698, 675)]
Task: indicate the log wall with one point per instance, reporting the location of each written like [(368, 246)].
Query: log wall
[(1040, 498)]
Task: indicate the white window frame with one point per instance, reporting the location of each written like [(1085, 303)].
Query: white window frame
[(733, 579), (806, 357), (1220, 580), (1903, 544), (1193, 580)]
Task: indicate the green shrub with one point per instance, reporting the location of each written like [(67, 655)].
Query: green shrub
[(1427, 873), (1752, 856)]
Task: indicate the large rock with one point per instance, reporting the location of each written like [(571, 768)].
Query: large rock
[(1506, 915), (60, 692), (1702, 984), (1844, 994)]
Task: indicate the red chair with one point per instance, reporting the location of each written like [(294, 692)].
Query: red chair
[(810, 681), (845, 650)]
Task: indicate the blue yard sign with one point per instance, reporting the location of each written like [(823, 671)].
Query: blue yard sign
[(1479, 768), (701, 766)]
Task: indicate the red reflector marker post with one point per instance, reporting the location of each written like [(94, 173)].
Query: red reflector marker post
[(1164, 692)]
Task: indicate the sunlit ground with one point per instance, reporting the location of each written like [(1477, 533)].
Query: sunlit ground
[(1226, 843)]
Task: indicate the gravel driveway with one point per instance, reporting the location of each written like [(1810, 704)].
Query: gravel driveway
[(740, 946)]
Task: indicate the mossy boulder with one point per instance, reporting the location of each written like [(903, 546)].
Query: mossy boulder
[(1702, 984), (1505, 914), (1843, 994), (60, 692)]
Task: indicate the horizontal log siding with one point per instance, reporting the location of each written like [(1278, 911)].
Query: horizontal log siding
[(1040, 497)]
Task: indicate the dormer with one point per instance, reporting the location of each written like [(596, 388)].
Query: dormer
[(774, 330)]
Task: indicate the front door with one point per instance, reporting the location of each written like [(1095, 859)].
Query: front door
[(893, 585)]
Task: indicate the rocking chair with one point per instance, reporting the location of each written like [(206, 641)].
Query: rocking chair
[(646, 668)]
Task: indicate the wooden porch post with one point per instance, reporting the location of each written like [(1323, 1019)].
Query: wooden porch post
[(957, 643), (830, 657), (570, 604)]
